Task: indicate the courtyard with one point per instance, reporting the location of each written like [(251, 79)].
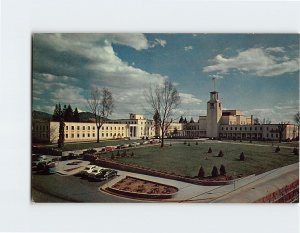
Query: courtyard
[(186, 159)]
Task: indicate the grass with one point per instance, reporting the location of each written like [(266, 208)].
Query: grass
[(89, 145), (186, 160)]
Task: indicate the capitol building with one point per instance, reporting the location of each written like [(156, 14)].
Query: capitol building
[(218, 123)]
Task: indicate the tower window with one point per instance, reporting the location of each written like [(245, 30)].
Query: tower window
[(211, 105)]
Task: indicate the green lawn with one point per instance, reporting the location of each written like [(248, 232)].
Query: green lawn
[(89, 145), (186, 160)]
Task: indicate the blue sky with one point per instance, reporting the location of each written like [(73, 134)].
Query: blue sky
[(256, 73)]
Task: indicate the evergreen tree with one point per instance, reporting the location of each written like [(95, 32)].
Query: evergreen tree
[(69, 114), (222, 170), (181, 120), (157, 122), (192, 120), (201, 172), (242, 156), (221, 154), (61, 138), (214, 172), (76, 117), (55, 116), (185, 121), (65, 112)]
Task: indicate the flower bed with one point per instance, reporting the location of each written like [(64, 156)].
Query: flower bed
[(135, 187)]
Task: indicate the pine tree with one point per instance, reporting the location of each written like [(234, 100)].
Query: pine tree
[(76, 117), (221, 154), (214, 172), (222, 170), (192, 120), (181, 120), (69, 114), (65, 112), (209, 150), (55, 116), (242, 156), (185, 121), (61, 138), (201, 172)]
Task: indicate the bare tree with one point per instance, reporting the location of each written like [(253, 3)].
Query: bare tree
[(53, 132), (281, 127), (163, 100), (297, 121), (101, 104)]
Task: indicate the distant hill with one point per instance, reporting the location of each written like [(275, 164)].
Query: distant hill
[(42, 116)]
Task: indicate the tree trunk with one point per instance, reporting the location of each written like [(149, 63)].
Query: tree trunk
[(162, 138), (98, 134)]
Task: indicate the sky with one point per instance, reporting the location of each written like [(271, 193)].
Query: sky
[(257, 74)]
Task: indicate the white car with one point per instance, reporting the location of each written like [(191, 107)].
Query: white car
[(88, 169), (94, 171)]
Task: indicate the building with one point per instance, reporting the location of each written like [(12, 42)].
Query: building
[(134, 127), (219, 123)]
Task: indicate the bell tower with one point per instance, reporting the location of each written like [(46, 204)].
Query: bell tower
[(214, 114)]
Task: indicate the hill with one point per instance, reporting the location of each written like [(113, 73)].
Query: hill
[(43, 116)]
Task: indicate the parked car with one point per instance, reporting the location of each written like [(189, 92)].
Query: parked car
[(134, 144), (124, 145), (88, 169), (105, 174), (38, 159), (94, 171)]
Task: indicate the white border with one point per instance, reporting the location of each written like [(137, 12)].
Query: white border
[(20, 18)]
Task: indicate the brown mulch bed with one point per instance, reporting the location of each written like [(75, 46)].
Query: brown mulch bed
[(130, 184)]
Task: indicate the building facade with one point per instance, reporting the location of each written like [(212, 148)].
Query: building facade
[(219, 123)]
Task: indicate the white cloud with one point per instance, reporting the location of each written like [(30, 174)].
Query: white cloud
[(187, 48), (255, 60), (105, 69), (189, 99), (275, 49), (156, 42)]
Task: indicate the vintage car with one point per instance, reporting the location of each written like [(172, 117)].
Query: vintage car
[(88, 169), (104, 174)]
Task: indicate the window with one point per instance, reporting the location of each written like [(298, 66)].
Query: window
[(78, 127), (83, 135), (111, 134), (88, 135), (122, 134), (222, 128), (211, 106), (94, 127), (102, 134), (260, 128), (119, 128), (240, 128), (72, 127), (94, 135), (235, 128), (78, 135), (267, 128), (245, 128), (255, 128), (115, 128), (72, 135), (67, 135), (106, 134), (110, 128), (267, 135), (83, 127), (226, 128), (106, 128), (230, 128), (66, 127), (89, 127), (122, 128), (250, 128), (271, 135)]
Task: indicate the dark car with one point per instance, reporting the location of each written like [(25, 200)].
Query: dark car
[(105, 174)]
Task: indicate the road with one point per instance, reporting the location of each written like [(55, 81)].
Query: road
[(56, 188)]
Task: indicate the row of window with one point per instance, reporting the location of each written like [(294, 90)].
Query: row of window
[(93, 135), (89, 128), (241, 128), (41, 127)]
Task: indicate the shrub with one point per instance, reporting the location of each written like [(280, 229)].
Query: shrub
[(118, 153), (132, 154), (196, 143), (222, 170), (296, 151), (112, 157), (220, 154), (241, 141), (184, 143), (170, 144), (201, 172), (277, 149), (242, 156), (209, 150), (214, 172), (189, 144)]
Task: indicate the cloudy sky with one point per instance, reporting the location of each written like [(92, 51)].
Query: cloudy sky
[(255, 73)]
